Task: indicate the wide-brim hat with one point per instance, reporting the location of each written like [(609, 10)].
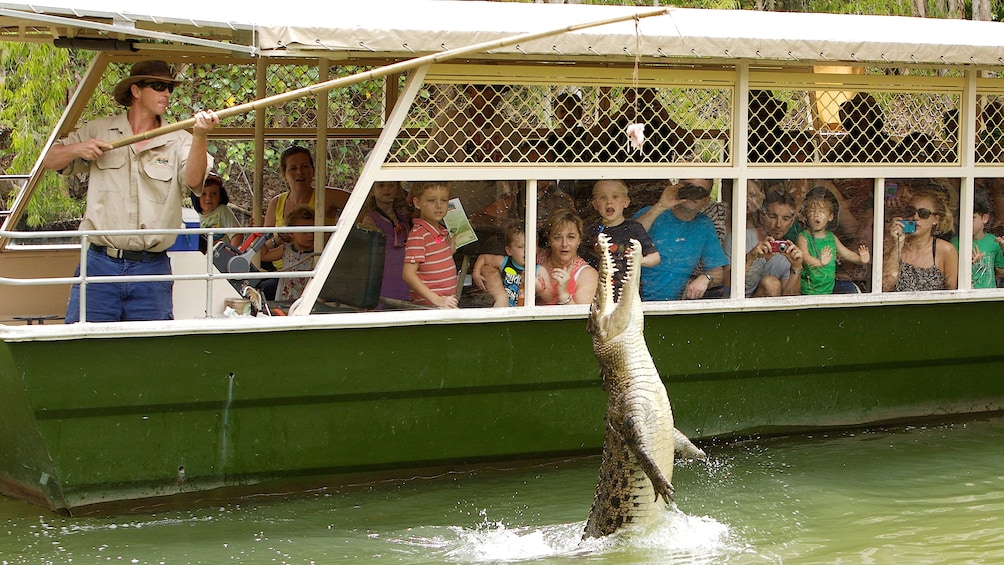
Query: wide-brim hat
[(153, 71)]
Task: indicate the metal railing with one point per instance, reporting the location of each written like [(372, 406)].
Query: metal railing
[(211, 274)]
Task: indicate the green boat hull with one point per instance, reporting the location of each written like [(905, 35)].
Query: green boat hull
[(92, 423)]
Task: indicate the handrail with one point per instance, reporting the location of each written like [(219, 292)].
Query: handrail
[(210, 275)]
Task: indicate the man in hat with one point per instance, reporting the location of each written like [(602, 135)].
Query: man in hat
[(683, 237), (140, 186)]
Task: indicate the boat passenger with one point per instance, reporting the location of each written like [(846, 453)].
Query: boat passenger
[(988, 250), (820, 248), (665, 140), (684, 237), (768, 141), (773, 264), (995, 192), (864, 141), (487, 132), (297, 255), (135, 187), (386, 209), (563, 277), (297, 166), (214, 211), (568, 143), (429, 268), (919, 259), (949, 142), (990, 145), (610, 198), (501, 276), (917, 147)]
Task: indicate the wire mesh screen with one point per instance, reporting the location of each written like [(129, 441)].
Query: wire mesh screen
[(990, 139), (486, 123), (846, 127), (355, 106)]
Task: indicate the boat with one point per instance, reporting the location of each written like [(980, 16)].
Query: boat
[(100, 417)]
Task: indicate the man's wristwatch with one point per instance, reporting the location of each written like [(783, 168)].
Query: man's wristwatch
[(709, 277)]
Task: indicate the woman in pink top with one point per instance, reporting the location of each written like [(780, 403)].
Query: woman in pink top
[(562, 276)]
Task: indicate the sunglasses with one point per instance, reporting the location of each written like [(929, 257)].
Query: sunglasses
[(158, 86), (922, 213)]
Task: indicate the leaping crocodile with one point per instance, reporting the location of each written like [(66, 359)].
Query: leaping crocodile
[(638, 449)]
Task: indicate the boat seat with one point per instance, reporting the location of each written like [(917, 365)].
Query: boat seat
[(356, 278), (357, 275)]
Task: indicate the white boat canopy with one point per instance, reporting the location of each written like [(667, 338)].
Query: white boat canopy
[(406, 28)]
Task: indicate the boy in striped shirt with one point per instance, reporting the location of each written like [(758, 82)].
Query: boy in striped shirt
[(429, 268)]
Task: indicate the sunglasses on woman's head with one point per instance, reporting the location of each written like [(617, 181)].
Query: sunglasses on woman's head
[(158, 86), (922, 213)]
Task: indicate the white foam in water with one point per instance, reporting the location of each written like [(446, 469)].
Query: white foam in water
[(498, 543), (677, 537)]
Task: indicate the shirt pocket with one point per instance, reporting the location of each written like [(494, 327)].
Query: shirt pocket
[(111, 161), (158, 168), (105, 173)]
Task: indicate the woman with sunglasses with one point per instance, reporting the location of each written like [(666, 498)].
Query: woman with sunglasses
[(917, 259)]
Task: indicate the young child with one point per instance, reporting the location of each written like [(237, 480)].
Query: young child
[(821, 249), (297, 255), (610, 198), (502, 275), (429, 268), (213, 210), (988, 257)]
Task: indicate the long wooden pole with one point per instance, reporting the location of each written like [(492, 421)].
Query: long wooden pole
[(380, 72)]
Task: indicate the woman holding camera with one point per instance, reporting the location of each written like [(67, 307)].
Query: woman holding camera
[(916, 259)]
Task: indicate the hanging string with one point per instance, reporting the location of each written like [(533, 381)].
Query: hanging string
[(636, 130), (637, 63)]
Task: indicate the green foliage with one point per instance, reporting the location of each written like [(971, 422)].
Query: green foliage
[(34, 84)]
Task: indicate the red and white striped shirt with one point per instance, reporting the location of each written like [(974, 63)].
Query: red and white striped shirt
[(429, 246)]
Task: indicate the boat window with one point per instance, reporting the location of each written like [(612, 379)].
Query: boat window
[(915, 123), (920, 222), (493, 123)]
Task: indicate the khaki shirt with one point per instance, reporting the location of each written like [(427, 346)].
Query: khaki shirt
[(130, 190)]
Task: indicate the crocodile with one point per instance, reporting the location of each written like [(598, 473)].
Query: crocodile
[(638, 448)]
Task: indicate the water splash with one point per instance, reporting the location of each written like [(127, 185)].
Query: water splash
[(676, 538)]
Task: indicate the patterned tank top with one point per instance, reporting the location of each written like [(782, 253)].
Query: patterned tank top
[(913, 278)]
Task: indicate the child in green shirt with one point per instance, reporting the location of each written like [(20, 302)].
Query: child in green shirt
[(821, 249), (988, 257)]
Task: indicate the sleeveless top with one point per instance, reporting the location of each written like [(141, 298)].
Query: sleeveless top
[(913, 278), (280, 208), (512, 279), (577, 268)]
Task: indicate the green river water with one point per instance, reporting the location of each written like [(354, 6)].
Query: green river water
[(930, 493)]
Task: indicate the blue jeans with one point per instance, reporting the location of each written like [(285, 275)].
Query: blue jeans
[(128, 301), (845, 287)]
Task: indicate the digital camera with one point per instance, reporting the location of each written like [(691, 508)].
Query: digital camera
[(779, 246), (691, 192), (909, 226)]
